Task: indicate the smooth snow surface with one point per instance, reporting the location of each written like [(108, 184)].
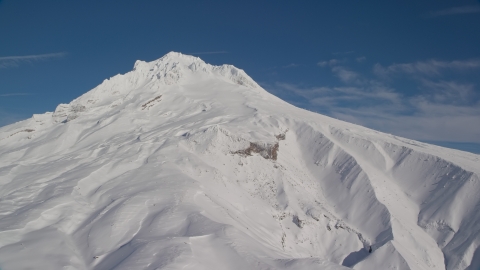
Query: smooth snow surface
[(179, 164)]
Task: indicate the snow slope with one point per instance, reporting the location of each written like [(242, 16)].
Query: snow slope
[(179, 164)]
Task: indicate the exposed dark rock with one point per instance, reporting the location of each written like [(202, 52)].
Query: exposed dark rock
[(78, 108), (149, 103), (298, 221), (280, 137), (25, 130), (267, 151)]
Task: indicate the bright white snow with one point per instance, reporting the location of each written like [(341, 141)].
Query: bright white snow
[(179, 164)]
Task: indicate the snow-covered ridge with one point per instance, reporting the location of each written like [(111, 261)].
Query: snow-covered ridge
[(182, 165), (172, 69)]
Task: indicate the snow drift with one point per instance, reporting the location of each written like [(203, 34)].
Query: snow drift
[(179, 164)]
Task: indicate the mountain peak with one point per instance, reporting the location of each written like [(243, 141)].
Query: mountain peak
[(171, 57), (197, 164), (172, 70), (174, 66), (179, 55)]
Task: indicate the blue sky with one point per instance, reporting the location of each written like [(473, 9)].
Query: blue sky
[(410, 68)]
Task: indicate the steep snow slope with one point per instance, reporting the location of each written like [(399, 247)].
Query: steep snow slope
[(179, 164)]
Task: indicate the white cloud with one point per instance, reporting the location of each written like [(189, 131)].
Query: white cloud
[(212, 52), (331, 62), (418, 118), (292, 65), (14, 94), (450, 91), (14, 61), (455, 11), (331, 96), (456, 124), (361, 59), (429, 68), (440, 110), (344, 74), (342, 53), (322, 63)]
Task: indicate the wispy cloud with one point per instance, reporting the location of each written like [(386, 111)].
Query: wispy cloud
[(342, 53), (429, 68), (15, 61), (288, 66), (361, 59), (331, 62), (455, 11), (213, 52), (345, 74), (14, 94), (422, 117), (438, 109), (429, 121), (332, 96), (450, 91), (292, 65)]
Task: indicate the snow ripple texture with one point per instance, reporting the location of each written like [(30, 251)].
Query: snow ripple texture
[(179, 164)]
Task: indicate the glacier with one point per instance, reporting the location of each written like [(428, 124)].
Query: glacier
[(180, 164)]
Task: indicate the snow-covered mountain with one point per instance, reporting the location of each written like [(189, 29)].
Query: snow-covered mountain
[(179, 164)]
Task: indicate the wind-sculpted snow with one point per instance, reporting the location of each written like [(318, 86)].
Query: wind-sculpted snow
[(182, 165)]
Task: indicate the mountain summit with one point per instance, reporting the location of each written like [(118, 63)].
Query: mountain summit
[(179, 164)]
